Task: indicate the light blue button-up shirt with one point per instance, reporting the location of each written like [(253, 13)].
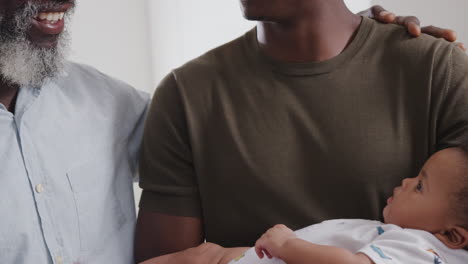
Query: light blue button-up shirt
[(68, 159)]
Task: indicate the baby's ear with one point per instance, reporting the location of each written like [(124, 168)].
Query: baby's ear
[(455, 238)]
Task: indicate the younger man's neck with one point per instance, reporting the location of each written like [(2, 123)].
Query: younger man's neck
[(319, 33)]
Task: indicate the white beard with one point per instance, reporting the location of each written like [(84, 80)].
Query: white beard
[(23, 63)]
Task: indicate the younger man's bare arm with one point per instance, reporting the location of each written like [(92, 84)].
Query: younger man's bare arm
[(160, 234), (206, 253), (165, 239)]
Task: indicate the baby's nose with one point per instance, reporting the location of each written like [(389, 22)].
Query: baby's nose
[(405, 183)]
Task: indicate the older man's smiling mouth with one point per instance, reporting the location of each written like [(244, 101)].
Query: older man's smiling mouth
[(50, 17), (51, 21)]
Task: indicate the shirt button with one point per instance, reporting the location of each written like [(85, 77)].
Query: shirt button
[(58, 260), (39, 188)]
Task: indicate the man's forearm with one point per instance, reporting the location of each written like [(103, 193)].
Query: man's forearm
[(204, 254), (165, 259), (232, 253), (298, 251)]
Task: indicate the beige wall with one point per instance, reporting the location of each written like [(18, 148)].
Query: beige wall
[(184, 29), (112, 35)]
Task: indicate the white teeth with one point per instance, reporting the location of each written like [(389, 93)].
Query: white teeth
[(51, 17)]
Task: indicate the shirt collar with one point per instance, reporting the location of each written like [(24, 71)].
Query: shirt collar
[(28, 94)]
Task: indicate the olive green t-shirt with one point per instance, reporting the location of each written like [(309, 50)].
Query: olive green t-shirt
[(246, 142)]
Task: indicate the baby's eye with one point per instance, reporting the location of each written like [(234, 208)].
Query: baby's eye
[(419, 186)]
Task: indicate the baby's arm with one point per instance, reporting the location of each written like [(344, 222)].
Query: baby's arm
[(296, 251), (282, 243)]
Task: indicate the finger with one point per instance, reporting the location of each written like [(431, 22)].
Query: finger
[(386, 17), (412, 19), (382, 15), (376, 10), (259, 248), (259, 252), (449, 35), (414, 29), (411, 23), (268, 254), (437, 32), (462, 46)]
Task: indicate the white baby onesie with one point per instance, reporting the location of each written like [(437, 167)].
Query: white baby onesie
[(384, 244)]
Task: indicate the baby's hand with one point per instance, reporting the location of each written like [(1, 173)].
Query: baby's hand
[(273, 240)]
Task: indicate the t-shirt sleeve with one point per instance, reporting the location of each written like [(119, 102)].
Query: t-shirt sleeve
[(401, 247), (167, 174), (452, 121)]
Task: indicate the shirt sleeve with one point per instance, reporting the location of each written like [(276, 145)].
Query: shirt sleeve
[(401, 247), (452, 121), (167, 174), (134, 141)]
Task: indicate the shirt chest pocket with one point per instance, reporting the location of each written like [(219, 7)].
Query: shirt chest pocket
[(100, 187)]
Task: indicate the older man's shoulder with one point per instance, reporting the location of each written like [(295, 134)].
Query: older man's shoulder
[(395, 41), (93, 78), (84, 87), (88, 81)]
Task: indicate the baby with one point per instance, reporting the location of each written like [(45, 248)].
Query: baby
[(426, 221)]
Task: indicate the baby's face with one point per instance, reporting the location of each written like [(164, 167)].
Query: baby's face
[(425, 202)]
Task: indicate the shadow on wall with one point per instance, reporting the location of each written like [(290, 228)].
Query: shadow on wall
[(448, 13)]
